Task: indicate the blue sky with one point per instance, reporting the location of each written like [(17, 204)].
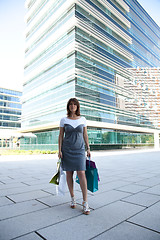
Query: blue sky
[(12, 39)]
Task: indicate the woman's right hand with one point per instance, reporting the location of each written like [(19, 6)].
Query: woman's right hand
[(60, 155)]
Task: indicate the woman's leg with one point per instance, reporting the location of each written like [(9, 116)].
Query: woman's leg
[(69, 177), (83, 184)]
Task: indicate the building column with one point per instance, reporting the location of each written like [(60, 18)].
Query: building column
[(156, 139)]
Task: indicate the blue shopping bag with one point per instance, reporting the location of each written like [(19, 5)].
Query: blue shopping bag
[(92, 178)]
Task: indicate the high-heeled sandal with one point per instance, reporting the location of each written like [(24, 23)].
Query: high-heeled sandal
[(86, 209), (73, 202)]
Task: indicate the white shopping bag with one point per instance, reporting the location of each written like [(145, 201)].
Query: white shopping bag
[(61, 188)]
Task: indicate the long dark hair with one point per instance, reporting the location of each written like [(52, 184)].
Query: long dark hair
[(76, 102)]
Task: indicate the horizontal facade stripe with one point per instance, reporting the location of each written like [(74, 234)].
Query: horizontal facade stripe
[(51, 61), (115, 12), (70, 24), (32, 10), (104, 39), (104, 20), (94, 124), (58, 81), (51, 21), (90, 53), (123, 5), (39, 17)]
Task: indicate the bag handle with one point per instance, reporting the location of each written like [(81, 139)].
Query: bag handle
[(89, 161)]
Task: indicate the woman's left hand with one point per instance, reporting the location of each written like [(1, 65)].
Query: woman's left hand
[(88, 153)]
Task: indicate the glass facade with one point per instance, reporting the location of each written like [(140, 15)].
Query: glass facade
[(84, 49), (10, 109)]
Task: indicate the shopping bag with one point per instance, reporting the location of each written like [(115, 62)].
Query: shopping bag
[(61, 187), (91, 164), (55, 178), (92, 178)]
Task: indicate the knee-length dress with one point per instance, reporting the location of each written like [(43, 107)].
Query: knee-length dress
[(73, 146)]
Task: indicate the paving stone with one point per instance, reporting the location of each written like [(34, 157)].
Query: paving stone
[(149, 218), (11, 186), (110, 186), (105, 179), (127, 231), (58, 200), (142, 199), (25, 189), (24, 224), (28, 196), (132, 188), (86, 227), (134, 179), (37, 181), (5, 201), (105, 198), (20, 208), (154, 190), (149, 182), (31, 236)]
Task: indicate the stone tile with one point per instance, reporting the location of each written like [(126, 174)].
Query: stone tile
[(20, 208), (31, 236), (149, 218), (26, 189), (154, 190), (36, 182), (11, 186), (142, 199), (5, 201), (127, 231), (58, 200), (105, 179), (149, 182), (105, 198), (86, 227), (25, 224), (132, 188), (134, 179), (28, 196), (111, 186)]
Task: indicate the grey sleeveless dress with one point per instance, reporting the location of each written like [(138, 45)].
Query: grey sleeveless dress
[(73, 146)]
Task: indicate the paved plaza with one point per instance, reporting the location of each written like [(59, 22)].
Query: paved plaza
[(126, 206)]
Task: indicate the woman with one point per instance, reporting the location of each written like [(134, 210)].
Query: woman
[(72, 149)]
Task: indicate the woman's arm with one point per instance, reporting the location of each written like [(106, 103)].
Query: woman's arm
[(85, 136), (60, 140)]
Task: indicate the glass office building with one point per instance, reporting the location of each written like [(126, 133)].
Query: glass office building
[(10, 109), (83, 49)]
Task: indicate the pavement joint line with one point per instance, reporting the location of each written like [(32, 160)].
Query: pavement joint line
[(142, 226), (25, 184), (27, 234), (2, 182), (130, 192), (59, 222), (43, 203), (135, 204), (47, 192), (107, 230), (22, 214), (123, 200), (40, 235), (10, 199), (158, 194)]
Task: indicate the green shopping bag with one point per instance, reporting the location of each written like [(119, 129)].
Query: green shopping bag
[(92, 178), (55, 178)]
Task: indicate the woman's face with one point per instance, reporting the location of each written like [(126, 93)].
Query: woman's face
[(72, 107)]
